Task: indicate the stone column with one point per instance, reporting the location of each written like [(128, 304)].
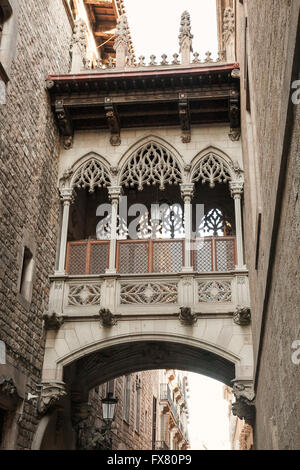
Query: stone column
[(114, 195), (185, 38), (66, 195), (187, 193), (121, 45), (236, 189)]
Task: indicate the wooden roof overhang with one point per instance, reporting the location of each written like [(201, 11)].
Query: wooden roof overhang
[(118, 100), (103, 16)]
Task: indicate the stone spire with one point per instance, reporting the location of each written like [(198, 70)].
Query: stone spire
[(121, 45), (185, 38)]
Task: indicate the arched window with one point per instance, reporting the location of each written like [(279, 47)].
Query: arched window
[(214, 224)]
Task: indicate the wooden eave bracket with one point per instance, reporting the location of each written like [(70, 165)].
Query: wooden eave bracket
[(185, 118), (64, 124), (112, 121)]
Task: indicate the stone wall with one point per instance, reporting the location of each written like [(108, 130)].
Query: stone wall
[(271, 160), (29, 207)]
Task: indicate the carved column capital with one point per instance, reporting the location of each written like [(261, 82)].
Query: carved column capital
[(187, 190), (51, 394), (114, 193), (66, 195), (236, 189)]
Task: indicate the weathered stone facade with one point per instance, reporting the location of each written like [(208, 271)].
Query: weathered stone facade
[(270, 131), (29, 208)]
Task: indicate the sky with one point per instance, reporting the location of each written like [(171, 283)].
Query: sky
[(208, 414), (154, 26)]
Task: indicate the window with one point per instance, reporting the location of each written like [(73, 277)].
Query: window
[(27, 274), (127, 383), (138, 388)]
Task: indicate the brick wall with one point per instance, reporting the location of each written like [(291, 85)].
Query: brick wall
[(29, 148), (271, 153)]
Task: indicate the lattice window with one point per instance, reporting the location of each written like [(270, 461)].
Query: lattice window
[(133, 257), (214, 223), (151, 164), (167, 256), (211, 169), (91, 175), (214, 291), (84, 294), (99, 258), (150, 293), (203, 259), (225, 253), (76, 263)]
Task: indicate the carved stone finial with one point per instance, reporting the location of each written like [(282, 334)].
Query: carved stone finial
[(79, 45), (186, 316), (51, 394), (242, 316), (107, 319), (208, 57), (52, 321), (176, 60), (228, 23), (196, 59), (164, 59), (185, 34), (244, 406), (122, 41), (152, 60)]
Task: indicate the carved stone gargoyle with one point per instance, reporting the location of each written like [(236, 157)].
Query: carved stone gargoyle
[(244, 406), (107, 319), (52, 321), (242, 316), (186, 316), (51, 394)]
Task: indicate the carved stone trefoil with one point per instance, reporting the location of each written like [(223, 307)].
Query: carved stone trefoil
[(186, 316), (244, 406), (52, 321), (242, 316), (107, 319), (51, 394)]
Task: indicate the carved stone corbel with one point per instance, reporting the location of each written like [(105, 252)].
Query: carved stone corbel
[(186, 316), (244, 406), (242, 316), (8, 387), (107, 319), (185, 118), (50, 396), (113, 123), (52, 321), (234, 134)]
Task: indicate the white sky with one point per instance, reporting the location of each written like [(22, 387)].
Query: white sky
[(208, 414), (154, 26)]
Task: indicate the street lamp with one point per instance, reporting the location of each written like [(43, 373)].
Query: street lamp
[(108, 411), (109, 408)]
